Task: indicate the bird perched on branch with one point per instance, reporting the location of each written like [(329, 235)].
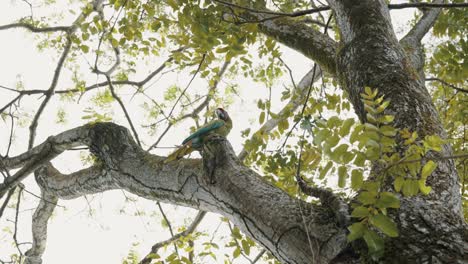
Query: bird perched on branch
[(220, 126)]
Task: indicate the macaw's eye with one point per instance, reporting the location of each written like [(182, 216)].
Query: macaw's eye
[(219, 114)]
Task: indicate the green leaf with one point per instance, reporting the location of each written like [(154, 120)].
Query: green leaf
[(356, 179), (338, 152), (261, 118), (360, 159), (236, 252), (386, 119), (245, 247), (371, 127), (384, 224), (368, 90), (333, 140), (356, 231), (84, 48), (374, 242), (382, 107), (388, 200), (325, 170), (428, 168), (410, 188), (346, 127), (342, 176), (423, 188), (360, 212), (433, 142), (367, 197), (236, 233), (388, 131), (153, 256)]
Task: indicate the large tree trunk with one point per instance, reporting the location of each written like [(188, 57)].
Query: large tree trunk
[(431, 227)]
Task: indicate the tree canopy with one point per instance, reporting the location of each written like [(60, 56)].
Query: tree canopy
[(350, 127)]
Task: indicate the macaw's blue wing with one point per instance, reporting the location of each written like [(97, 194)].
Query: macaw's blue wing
[(205, 130)]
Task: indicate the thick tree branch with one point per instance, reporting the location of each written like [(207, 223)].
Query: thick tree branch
[(39, 228), (424, 24), (239, 193), (411, 42), (295, 34), (34, 28)]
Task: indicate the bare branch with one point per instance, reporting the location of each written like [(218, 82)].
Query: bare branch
[(58, 69), (34, 28), (17, 98), (297, 99), (276, 14), (15, 232), (427, 5), (7, 199), (434, 79), (49, 94), (257, 258), (97, 85), (169, 225), (197, 109), (188, 85)]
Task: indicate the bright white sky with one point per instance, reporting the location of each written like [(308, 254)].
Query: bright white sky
[(97, 232)]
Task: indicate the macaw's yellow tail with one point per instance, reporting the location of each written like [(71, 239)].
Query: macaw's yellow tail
[(179, 153)]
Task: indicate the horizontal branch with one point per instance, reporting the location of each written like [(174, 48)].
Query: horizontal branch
[(275, 15), (434, 79), (261, 210), (427, 5), (35, 29)]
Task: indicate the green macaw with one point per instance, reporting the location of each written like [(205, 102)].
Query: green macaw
[(221, 126)]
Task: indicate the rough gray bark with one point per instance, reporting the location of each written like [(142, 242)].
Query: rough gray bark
[(277, 221), (431, 227)]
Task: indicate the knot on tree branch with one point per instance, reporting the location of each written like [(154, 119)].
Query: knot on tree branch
[(328, 199), (216, 152), (109, 142)]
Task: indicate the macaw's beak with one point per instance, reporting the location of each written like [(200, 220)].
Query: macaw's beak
[(221, 114)]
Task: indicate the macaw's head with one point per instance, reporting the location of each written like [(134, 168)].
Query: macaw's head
[(222, 114)]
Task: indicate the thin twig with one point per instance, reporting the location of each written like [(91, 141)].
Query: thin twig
[(308, 92), (7, 199), (197, 109), (15, 232), (435, 79), (193, 226), (169, 225)]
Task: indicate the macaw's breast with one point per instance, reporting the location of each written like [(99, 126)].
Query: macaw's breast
[(224, 130)]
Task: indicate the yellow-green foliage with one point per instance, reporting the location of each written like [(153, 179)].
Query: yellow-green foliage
[(408, 169)]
